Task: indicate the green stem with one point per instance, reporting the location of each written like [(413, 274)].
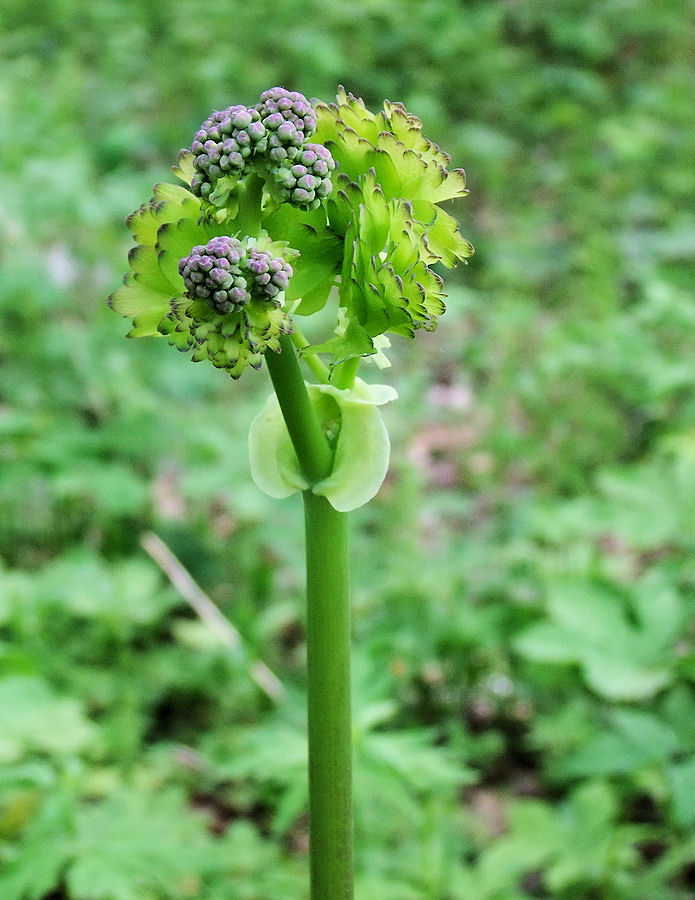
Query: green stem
[(312, 360), (314, 455), (328, 642), (328, 663), (250, 198)]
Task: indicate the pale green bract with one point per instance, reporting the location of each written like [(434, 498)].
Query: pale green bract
[(362, 448)]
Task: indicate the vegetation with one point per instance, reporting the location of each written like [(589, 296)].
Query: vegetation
[(524, 585)]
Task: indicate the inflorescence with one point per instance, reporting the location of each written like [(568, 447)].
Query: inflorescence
[(270, 138), (304, 177), (225, 276), (283, 202), (214, 273), (224, 144)]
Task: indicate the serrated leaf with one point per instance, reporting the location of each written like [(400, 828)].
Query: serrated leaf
[(184, 169), (169, 203), (146, 270), (136, 845), (444, 241), (142, 304), (176, 240)]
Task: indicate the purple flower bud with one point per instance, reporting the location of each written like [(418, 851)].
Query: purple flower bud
[(308, 182), (274, 121), (308, 158), (237, 295), (301, 197), (287, 133), (242, 119)]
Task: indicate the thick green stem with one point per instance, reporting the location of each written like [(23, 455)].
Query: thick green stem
[(328, 642), (314, 455), (328, 663), (250, 198)]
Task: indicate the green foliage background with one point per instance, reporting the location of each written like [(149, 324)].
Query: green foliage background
[(524, 588)]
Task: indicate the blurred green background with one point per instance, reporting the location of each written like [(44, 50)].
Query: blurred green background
[(524, 584)]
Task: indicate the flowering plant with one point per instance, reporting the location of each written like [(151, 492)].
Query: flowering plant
[(284, 207)]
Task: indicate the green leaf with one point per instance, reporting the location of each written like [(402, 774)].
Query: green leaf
[(314, 299), (682, 780), (622, 681), (385, 204), (634, 740), (589, 627), (444, 242), (546, 642), (274, 466), (361, 455), (32, 717), (145, 305), (174, 241), (184, 168), (320, 253), (169, 203), (36, 870), (137, 845)]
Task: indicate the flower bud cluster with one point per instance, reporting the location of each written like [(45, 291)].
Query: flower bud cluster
[(269, 276), (274, 135), (224, 144), (303, 178), (230, 342), (288, 116), (226, 276), (214, 273)]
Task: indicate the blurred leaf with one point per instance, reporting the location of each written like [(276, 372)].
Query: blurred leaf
[(135, 846), (32, 717), (682, 781), (589, 627)]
